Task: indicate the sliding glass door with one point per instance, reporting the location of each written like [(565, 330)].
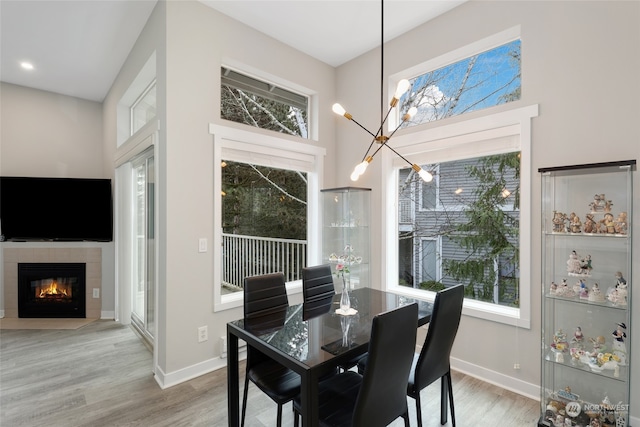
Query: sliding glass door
[(143, 246)]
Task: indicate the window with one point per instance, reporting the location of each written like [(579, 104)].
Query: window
[(261, 104), (143, 109), (264, 222), (479, 81), (266, 209), (475, 161), (476, 219)]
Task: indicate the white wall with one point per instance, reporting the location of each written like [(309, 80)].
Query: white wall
[(579, 63)]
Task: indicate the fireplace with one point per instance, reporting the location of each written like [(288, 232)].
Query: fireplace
[(52, 290)]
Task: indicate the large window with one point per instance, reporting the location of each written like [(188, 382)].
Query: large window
[(261, 104), (470, 234), (477, 231), (264, 222), (266, 209)]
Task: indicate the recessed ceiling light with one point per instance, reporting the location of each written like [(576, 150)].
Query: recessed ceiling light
[(26, 65)]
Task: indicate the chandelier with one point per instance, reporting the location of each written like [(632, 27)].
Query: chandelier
[(379, 137)]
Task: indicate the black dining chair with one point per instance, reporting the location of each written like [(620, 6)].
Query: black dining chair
[(318, 291), (378, 396), (265, 299), (432, 362)]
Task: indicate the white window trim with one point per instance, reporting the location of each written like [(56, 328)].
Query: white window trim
[(262, 146), (465, 139)]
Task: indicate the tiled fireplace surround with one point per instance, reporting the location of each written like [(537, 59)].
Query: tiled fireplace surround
[(91, 256)]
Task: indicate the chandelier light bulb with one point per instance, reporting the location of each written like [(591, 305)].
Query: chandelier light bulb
[(361, 167), (337, 108), (355, 175), (426, 176), (403, 86)]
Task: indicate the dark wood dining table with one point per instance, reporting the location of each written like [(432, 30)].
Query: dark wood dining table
[(311, 346)]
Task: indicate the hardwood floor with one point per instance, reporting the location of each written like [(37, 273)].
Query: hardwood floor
[(100, 375)]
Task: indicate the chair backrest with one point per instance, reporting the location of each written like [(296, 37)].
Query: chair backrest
[(265, 306), (433, 361), (383, 394), (264, 295), (317, 290)]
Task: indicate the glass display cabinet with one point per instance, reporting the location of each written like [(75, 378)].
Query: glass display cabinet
[(586, 294), (346, 236)]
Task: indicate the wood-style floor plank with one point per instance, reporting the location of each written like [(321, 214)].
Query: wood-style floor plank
[(100, 375)]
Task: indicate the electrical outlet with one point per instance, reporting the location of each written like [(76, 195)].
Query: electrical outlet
[(516, 366), (203, 334), (96, 292)]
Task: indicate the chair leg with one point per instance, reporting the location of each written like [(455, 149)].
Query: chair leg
[(279, 419), (405, 416), (443, 400), (418, 409), (453, 414), (244, 398)]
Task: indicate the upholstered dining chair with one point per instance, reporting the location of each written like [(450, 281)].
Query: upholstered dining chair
[(265, 299), (318, 291), (432, 362), (378, 396)]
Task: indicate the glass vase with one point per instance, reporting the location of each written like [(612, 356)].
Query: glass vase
[(345, 302)]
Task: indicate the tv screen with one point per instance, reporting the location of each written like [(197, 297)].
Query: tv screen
[(60, 209)]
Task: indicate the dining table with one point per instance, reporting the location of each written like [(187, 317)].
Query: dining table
[(311, 344)]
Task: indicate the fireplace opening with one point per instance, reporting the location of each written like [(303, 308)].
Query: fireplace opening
[(52, 290)]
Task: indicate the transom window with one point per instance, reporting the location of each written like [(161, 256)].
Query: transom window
[(261, 104), (479, 81)]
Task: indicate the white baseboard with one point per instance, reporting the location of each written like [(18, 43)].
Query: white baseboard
[(107, 315), (2, 313), (506, 382), (166, 380)]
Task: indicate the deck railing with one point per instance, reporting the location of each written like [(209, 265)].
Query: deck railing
[(244, 256)]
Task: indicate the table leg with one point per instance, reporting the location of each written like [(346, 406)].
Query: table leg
[(309, 398), (233, 381)]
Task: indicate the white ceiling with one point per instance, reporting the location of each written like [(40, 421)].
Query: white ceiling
[(78, 47)]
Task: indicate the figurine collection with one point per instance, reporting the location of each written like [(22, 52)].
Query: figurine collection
[(600, 219), (581, 267), (565, 408)]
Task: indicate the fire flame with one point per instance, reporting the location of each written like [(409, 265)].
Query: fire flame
[(53, 290)]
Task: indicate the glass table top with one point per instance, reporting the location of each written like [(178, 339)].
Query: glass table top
[(316, 340)]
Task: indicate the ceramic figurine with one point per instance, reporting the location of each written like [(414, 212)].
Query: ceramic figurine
[(564, 290), (621, 223), (553, 288), (578, 337), (595, 295), (598, 345), (619, 347), (558, 221), (609, 224), (590, 224), (560, 341), (575, 225), (573, 264), (584, 290)]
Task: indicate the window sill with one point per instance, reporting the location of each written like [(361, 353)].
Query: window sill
[(473, 308), (236, 299)]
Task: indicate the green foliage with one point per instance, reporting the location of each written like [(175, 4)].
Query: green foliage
[(431, 285), (263, 201), (489, 234)]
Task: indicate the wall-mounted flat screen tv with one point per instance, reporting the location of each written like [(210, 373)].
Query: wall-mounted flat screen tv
[(58, 209)]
